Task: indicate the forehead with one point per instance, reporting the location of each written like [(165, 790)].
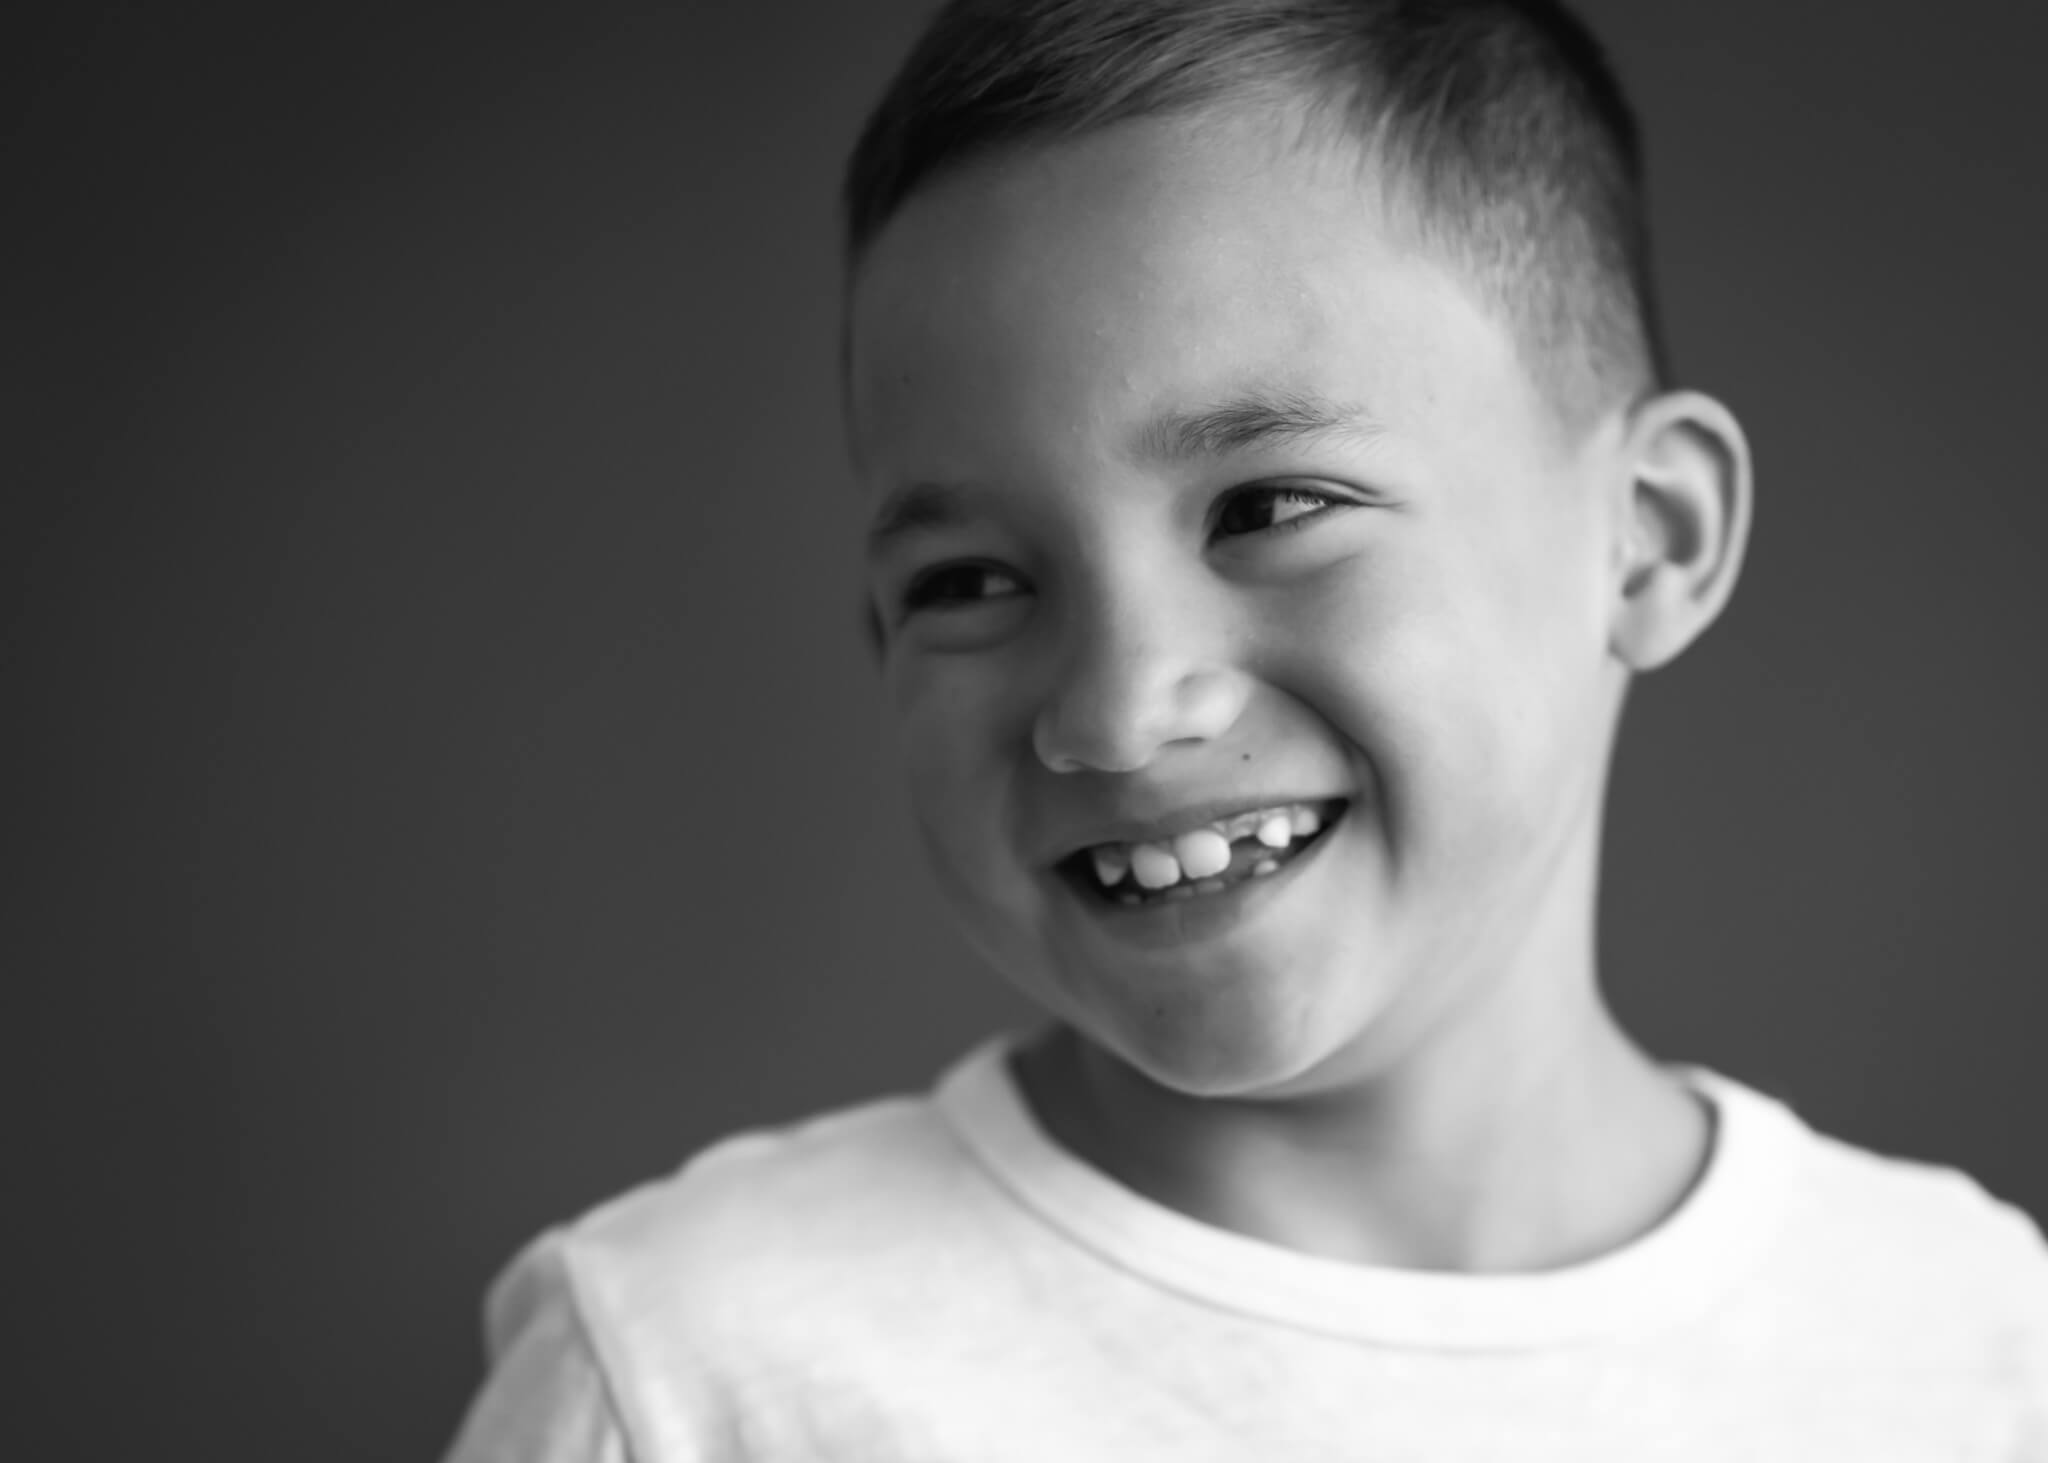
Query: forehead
[(1049, 303)]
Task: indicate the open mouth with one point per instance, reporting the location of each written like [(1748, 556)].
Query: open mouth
[(1205, 861)]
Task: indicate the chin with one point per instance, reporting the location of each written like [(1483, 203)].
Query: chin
[(1214, 1053)]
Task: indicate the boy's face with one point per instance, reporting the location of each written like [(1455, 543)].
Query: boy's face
[(1205, 491)]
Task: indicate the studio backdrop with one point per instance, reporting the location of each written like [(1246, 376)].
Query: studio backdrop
[(451, 784)]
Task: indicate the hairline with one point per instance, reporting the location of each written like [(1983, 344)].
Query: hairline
[(1330, 114)]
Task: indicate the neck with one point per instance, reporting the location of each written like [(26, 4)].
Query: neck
[(1555, 1167), (1523, 1132)]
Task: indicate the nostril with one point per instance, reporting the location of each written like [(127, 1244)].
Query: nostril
[(1066, 742), (1104, 723)]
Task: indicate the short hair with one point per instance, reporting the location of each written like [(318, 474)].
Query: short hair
[(1499, 122)]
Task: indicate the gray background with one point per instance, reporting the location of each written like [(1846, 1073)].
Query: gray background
[(451, 787)]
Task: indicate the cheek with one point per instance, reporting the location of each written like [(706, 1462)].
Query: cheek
[(958, 748), (1439, 684), (1389, 650), (950, 731)]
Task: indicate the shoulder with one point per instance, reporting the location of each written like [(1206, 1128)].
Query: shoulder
[(756, 1241), (1906, 1247), (808, 1191), (771, 1256), (1926, 1216)]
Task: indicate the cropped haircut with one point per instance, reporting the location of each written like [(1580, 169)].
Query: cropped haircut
[(1497, 123)]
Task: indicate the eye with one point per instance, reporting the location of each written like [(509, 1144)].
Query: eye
[(958, 586), (1274, 506)]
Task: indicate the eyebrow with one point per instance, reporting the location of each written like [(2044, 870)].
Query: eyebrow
[(919, 508), (1256, 418)]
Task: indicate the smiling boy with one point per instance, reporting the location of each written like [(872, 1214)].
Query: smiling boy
[(1276, 485)]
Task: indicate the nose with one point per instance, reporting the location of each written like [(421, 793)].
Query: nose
[(1133, 679)]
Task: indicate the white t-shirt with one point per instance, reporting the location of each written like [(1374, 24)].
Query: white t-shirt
[(933, 1279)]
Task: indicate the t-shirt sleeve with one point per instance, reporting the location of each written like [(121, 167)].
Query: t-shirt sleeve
[(2028, 1282), (546, 1399)]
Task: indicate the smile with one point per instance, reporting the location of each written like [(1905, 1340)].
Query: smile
[(1203, 861)]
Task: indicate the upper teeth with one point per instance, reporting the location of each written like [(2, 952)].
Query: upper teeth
[(1203, 852)]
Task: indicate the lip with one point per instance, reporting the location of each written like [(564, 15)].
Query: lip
[(1165, 827), (1179, 922)]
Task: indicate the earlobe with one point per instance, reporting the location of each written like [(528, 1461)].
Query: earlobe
[(1683, 525)]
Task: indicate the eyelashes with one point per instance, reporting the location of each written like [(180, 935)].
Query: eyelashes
[(1259, 510), (1310, 504), (956, 584)]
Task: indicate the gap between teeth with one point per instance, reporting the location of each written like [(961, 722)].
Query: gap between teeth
[(1203, 852)]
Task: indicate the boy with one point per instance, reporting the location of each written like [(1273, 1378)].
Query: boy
[(1276, 484)]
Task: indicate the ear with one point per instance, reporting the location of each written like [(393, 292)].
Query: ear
[(1684, 522)]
